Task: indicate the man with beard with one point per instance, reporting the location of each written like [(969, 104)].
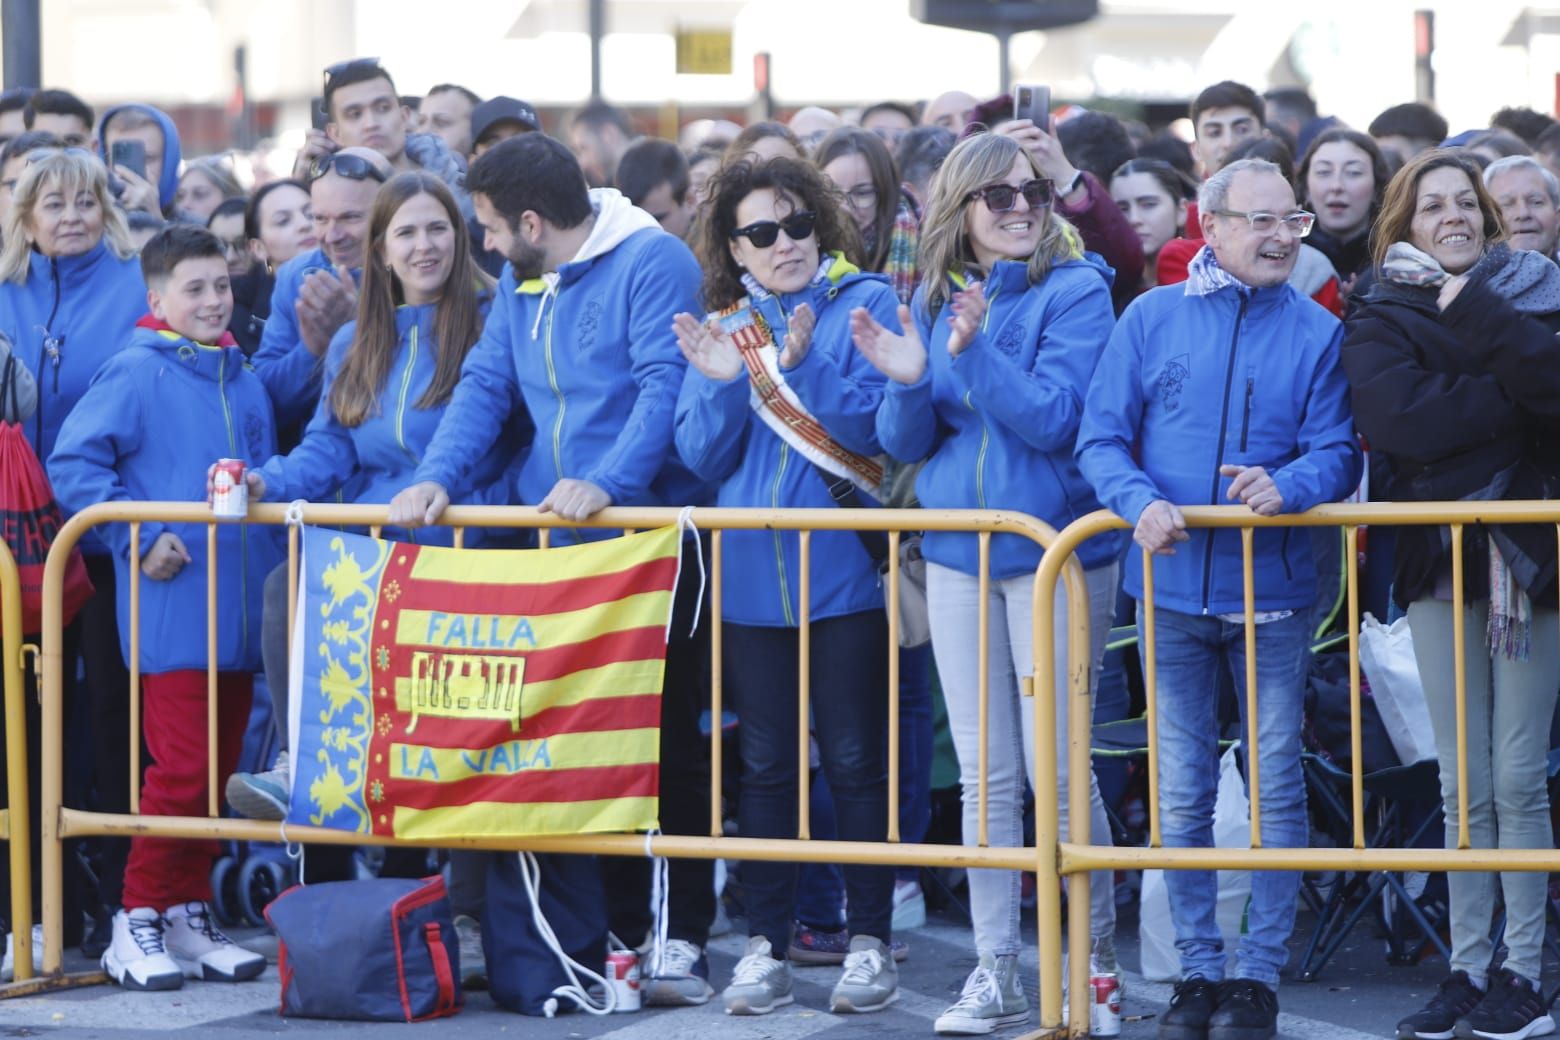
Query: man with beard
[(580, 336)]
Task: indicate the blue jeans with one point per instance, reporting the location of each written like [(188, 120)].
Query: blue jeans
[(1191, 650)]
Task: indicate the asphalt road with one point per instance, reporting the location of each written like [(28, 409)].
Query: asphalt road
[(1358, 995)]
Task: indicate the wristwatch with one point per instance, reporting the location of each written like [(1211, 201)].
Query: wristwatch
[(1076, 183)]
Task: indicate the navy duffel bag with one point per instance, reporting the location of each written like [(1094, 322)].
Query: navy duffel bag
[(381, 950)]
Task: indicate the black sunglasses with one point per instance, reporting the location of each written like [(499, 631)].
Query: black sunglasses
[(352, 167), (1000, 198), (333, 71), (764, 232)]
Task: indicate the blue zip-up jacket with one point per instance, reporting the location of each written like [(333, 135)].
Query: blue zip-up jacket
[(383, 451), (1189, 383), (290, 373), (166, 178), (71, 315), (997, 424), (590, 353), (159, 413), (721, 439)]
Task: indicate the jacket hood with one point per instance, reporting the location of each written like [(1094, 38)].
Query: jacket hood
[(168, 176), (71, 270), (616, 219), (1312, 270), (210, 360)]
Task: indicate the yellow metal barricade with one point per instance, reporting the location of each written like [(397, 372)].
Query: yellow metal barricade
[(61, 822), (1075, 859), (16, 819)]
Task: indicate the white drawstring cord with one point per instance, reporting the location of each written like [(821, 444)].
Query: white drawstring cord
[(531, 877), (685, 523)]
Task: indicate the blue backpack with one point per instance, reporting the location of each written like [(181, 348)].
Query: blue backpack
[(382, 950)]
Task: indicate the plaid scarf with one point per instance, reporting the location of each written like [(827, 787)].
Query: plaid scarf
[(1204, 276)]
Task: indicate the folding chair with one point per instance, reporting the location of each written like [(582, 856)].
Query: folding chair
[(1388, 793)]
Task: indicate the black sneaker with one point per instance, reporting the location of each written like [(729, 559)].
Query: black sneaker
[(1248, 1010), (1190, 1008), (1513, 1009), (1453, 1000)]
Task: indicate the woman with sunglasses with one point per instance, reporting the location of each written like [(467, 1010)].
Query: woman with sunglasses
[(779, 411), (986, 384)]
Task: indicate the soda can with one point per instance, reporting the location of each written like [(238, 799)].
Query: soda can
[(229, 491), (623, 978), (1105, 1012)]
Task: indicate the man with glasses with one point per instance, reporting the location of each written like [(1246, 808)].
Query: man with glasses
[(580, 339), (363, 110), (316, 292), (1225, 389)]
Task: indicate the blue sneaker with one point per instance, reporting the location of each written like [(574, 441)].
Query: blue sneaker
[(261, 796)]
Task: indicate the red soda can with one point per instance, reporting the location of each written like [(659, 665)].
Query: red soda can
[(229, 490), (623, 978), (1105, 1012)]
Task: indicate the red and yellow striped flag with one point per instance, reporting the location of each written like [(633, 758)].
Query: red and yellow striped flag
[(451, 693)]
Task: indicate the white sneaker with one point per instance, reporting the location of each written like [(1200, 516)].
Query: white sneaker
[(679, 978), (8, 964), (137, 957), (760, 983), (473, 962), (992, 998), (200, 949), (870, 981)]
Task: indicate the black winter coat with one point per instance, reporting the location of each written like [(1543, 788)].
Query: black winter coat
[(1451, 400)]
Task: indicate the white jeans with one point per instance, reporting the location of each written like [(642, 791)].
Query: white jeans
[(954, 603)]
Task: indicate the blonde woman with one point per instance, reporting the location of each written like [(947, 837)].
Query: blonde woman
[(987, 385)]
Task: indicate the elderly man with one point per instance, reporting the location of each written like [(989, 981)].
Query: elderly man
[(1529, 199), (1226, 388)]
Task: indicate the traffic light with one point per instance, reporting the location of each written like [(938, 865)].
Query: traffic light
[(1004, 17)]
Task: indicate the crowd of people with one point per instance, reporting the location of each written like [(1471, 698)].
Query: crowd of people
[(935, 304)]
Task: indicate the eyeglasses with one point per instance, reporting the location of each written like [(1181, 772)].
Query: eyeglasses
[(763, 233), (352, 167), (862, 197), (336, 70), (1000, 198), (1264, 223)]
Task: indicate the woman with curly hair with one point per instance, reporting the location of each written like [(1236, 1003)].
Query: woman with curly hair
[(779, 412)]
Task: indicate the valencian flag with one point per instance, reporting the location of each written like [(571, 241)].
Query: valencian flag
[(445, 693)]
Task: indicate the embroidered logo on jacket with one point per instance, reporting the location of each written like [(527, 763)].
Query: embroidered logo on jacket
[(1011, 339), (590, 320), (1172, 380)]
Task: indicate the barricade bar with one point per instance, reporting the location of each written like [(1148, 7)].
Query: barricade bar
[(18, 820)]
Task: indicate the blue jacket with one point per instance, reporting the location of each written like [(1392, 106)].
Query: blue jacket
[(71, 315), (721, 439), (590, 353), (166, 178), (1191, 383), (157, 415), (383, 451), (997, 424), (290, 373)]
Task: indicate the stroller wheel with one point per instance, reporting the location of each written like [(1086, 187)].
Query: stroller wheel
[(259, 882), (224, 892)]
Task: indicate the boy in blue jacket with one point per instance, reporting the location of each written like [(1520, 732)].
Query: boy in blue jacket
[(155, 417)]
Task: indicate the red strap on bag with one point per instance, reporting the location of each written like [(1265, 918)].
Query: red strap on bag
[(30, 519), (441, 967)]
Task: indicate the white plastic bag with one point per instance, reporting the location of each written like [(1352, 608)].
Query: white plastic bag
[(1387, 658), (1231, 830)]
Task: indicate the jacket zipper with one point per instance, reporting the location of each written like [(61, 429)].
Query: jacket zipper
[(980, 457), (552, 380), (243, 531), (774, 501), (43, 354), (1245, 419), (406, 385), (1224, 421)]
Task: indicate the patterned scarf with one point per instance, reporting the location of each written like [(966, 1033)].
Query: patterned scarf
[(902, 246), (1204, 276)]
